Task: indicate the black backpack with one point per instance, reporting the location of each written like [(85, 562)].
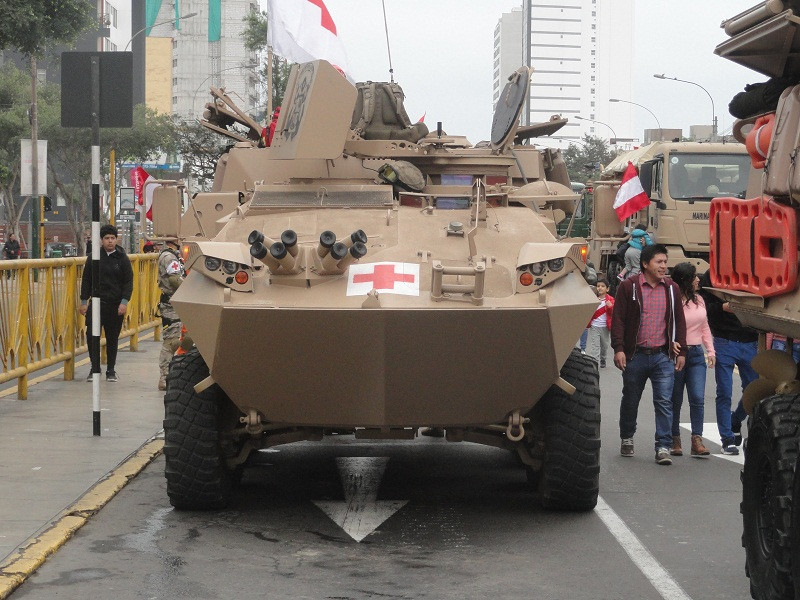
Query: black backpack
[(620, 253)]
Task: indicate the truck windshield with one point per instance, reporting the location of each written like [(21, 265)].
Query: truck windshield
[(707, 176)]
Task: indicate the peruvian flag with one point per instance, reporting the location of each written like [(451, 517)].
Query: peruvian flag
[(303, 30), (143, 190), (630, 196)]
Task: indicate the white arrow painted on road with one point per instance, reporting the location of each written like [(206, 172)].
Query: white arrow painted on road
[(361, 513)]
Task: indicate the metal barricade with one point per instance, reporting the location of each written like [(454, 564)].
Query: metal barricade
[(40, 325)]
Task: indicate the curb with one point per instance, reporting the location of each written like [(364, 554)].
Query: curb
[(15, 570)]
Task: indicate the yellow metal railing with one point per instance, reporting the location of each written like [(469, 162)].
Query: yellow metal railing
[(40, 325)]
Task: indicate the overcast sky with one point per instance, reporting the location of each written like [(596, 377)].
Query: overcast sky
[(442, 57)]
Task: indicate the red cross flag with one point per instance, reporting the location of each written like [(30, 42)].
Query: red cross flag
[(303, 30), (630, 196), (385, 277)]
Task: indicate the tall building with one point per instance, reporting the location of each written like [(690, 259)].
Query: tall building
[(184, 57), (507, 49), (580, 59)]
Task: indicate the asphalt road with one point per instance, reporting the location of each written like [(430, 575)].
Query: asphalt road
[(434, 519)]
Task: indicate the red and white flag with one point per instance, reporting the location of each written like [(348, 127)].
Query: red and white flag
[(630, 196), (303, 30), (142, 190)]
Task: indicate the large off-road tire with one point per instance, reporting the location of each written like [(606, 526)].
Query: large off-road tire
[(795, 541), (771, 452), (570, 475), (197, 474)]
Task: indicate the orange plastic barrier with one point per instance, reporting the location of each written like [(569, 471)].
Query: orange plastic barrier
[(758, 140), (753, 245)]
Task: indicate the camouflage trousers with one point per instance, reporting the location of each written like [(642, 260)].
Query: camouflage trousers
[(171, 334)]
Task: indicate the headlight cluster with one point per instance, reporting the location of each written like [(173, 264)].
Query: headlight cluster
[(532, 273), (228, 267)]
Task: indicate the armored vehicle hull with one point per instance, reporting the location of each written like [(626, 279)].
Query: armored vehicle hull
[(339, 282)]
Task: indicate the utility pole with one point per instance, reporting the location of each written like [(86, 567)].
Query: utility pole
[(34, 206)]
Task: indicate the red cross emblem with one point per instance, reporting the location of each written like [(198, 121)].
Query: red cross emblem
[(383, 277)]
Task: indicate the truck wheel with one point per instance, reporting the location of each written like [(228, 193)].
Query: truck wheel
[(795, 540), (570, 475), (196, 471), (767, 479), (613, 270)]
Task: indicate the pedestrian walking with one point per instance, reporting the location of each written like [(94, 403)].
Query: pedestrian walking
[(693, 376), (115, 289), (599, 339), (170, 277), (647, 322), (735, 346), (11, 251)]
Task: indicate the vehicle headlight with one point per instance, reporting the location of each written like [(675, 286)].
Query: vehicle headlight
[(537, 269), (555, 264), (228, 266), (212, 263)]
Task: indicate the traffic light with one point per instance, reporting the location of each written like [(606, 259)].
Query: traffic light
[(48, 204)]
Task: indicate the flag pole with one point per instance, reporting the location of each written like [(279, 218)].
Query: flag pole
[(269, 84)]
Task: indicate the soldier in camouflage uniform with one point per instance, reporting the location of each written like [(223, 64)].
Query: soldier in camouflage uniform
[(170, 276)]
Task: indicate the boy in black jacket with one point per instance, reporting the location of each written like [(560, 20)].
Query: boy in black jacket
[(115, 289)]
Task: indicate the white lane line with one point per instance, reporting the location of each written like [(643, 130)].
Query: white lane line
[(659, 577), (711, 433)]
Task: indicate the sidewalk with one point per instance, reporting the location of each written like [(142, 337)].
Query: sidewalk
[(48, 455)]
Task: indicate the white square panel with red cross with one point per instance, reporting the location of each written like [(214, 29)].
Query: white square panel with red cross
[(384, 277)]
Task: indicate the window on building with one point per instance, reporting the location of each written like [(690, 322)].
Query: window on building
[(591, 104), (174, 62), (593, 52), (175, 83), (111, 46), (591, 116), (593, 78), (174, 42), (174, 99), (594, 26), (592, 65), (111, 15)]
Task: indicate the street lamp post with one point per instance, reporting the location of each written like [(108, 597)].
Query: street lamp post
[(713, 111), (601, 123), (660, 135), (187, 16)]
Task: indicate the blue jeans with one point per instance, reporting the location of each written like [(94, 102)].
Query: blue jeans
[(661, 372), (781, 345), (584, 337), (730, 353), (693, 378)]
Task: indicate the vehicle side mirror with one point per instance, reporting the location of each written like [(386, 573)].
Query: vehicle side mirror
[(646, 176), (661, 205)]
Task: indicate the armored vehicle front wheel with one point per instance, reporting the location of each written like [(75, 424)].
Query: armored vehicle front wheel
[(767, 479), (570, 474), (196, 427)]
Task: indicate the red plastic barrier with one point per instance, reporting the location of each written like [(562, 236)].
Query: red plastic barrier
[(753, 245)]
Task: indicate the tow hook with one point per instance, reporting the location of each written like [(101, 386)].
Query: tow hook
[(252, 422), (516, 429)]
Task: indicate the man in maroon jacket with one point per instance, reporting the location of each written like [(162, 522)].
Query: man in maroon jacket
[(648, 335)]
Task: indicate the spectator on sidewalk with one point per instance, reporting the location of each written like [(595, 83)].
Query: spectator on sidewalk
[(693, 375), (735, 345), (599, 339), (11, 251), (116, 287), (646, 324)]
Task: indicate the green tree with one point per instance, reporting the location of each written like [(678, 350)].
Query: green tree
[(69, 155), (29, 27), (200, 149), (586, 158), (255, 38)]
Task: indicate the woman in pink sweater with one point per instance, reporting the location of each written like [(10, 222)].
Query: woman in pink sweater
[(693, 375)]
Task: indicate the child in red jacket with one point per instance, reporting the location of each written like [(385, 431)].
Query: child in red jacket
[(599, 341)]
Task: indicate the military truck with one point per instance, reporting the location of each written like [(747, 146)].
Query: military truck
[(754, 263), (363, 276), (681, 178)]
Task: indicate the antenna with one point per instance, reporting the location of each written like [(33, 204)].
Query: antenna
[(388, 48)]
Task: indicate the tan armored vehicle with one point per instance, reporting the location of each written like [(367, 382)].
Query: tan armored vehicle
[(754, 265), (681, 179), (364, 276)]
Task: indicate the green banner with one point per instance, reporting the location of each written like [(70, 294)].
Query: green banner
[(151, 14), (214, 20), (177, 15)]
